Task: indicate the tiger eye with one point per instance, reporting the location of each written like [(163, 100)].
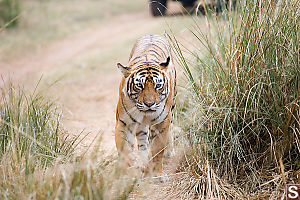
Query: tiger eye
[(158, 86)]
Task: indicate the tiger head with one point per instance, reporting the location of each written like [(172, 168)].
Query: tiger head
[(147, 85)]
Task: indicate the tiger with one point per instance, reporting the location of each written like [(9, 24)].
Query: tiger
[(146, 104)]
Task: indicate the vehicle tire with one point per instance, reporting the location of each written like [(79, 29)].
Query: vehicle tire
[(158, 7), (188, 6), (188, 3)]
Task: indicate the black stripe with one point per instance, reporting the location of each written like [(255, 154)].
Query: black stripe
[(173, 106), (162, 97), (160, 49), (155, 61), (143, 73), (151, 38), (138, 57), (155, 73), (127, 140), (123, 122), (148, 68), (154, 55), (133, 93), (143, 147), (152, 137), (122, 131), (134, 89), (127, 112), (128, 82), (165, 92), (159, 114), (133, 97), (141, 133), (155, 52), (145, 63), (136, 62)]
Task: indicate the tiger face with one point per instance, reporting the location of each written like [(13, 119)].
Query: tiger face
[(147, 86)]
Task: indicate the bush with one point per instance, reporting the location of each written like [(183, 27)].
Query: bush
[(245, 90), (9, 12)]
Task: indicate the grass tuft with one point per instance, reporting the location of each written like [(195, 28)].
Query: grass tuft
[(30, 128), (37, 160), (243, 119), (31, 138)]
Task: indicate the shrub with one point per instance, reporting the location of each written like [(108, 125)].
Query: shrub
[(244, 130)]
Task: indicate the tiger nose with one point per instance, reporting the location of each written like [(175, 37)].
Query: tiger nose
[(149, 103)]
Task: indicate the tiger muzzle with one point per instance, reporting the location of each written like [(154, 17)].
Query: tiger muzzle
[(149, 103)]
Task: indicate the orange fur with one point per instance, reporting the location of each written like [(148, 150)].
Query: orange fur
[(146, 101)]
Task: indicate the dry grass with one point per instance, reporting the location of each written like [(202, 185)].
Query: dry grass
[(240, 111), (37, 160), (242, 115)]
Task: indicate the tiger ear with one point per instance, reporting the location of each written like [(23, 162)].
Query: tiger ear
[(165, 64), (124, 70)]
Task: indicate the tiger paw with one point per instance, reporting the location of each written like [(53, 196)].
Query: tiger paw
[(134, 172), (162, 178), (142, 164)]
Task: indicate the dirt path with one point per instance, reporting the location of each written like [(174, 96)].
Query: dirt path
[(90, 101), (63, 51)]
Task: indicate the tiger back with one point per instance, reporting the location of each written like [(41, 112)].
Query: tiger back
[(146, 103)]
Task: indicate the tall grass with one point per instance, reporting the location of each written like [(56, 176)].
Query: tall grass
[(30, 128), (31, 138), (243, 119), (37, 160)]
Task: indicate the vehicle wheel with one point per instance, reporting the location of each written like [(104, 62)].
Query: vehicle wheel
[(188, 3), (188, 6), (158, 7)]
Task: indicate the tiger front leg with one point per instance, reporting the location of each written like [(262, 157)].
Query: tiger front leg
[(142, 134), (125, 141), (160, 138)]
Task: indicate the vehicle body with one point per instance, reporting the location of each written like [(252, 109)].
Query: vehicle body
[(159, 7)]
